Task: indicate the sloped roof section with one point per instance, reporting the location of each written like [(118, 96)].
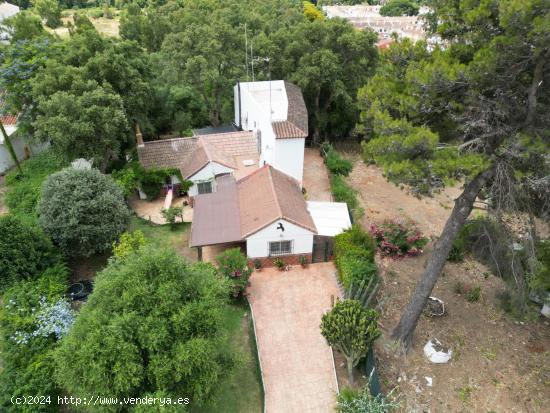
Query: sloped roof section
[(216, 218), (267, 195), (234, 143), (167, 153), (296, 123)]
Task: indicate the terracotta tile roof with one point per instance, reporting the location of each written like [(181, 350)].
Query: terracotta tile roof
[(196, 160), (167, 153), (234, 143), (296, 124), (8, 119), (239, 209), (267, 195), (216, 217), (190, 155)]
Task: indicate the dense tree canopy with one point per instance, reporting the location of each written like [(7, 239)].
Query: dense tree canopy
[(82, 210), (25, 251), (152, 325)]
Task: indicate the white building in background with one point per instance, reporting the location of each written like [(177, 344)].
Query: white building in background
[(275, 111)]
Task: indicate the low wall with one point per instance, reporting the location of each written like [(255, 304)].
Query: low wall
[(267, 262)]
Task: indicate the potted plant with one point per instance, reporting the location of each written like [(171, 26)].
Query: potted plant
[(279, 263), (303, 261), (257, 265)]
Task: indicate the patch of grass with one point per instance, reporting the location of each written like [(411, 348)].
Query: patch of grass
[(465, 393), (242, 391), (489, 353), (474, 295), (23, 190), (165, 236)]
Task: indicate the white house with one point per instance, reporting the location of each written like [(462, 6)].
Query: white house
[(275, 111), (201, 159), (273, 119), (264, 213)]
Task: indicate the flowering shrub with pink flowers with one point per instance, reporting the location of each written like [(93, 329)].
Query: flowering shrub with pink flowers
[(398, 239), (233, 264)]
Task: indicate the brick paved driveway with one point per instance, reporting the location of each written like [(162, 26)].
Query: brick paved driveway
[(297, 365)]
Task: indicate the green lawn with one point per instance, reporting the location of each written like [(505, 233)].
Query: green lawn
[(242, 392), (163, 236)]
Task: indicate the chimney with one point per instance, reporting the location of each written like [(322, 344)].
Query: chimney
[(139, 136)]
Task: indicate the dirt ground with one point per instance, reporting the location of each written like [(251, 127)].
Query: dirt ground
[(151, 210), (315, 180), (498, 364)]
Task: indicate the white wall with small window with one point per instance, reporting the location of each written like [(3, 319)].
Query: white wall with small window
[(203, 180), (272, 241)]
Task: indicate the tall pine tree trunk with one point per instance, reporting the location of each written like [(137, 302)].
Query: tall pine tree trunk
[(463, 206)]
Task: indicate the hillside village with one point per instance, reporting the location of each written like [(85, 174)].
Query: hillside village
[(274, 206)]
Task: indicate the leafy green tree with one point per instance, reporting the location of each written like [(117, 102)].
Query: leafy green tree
[(350, 329), (152, 325), (23, 26), (49, 10), (399, 8), (329, 60), (86, 122), (312, 12), (82, 210), (25, 251), (171, 214)]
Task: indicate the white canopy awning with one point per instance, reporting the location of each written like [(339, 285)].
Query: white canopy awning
[(330, 218)]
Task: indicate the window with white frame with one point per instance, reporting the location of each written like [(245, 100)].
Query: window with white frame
[(280, 248), (204, 187)]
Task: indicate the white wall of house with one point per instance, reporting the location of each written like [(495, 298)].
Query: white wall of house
[(19, 145), (207, 174), (256, 100), (254, 106), (257, 245), (289, 157)]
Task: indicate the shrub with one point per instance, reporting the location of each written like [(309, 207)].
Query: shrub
[(350, 329), (170, 215), (355, 269), (354, 251), (83, 211), (362, 401), (540, 279), (233, 265), (127, 180), (257, 264), (474, 294), (153, 323), (128, 243), (25, 251), (398, 239), (336, 164), (279, 263), (342, 192), (303, 260), (33, 316)]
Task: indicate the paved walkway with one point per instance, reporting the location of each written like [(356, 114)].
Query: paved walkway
[(316, 180), (297, 364)]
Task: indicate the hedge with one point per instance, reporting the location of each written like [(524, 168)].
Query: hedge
[(354, 252)]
